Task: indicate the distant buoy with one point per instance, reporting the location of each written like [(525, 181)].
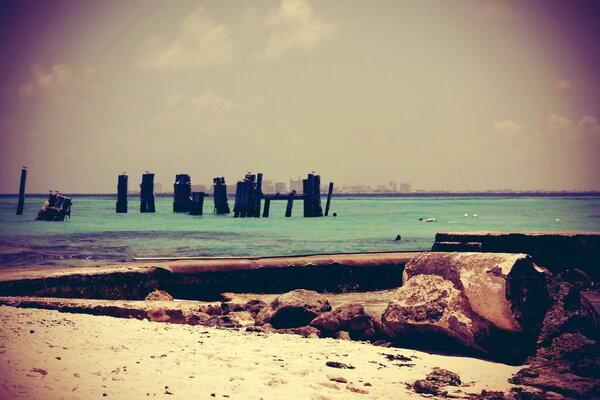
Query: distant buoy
[(398, 238)]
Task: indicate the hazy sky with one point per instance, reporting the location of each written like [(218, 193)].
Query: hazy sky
[(458, 95)]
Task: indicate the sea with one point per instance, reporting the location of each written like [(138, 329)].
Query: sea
[(96, 235)]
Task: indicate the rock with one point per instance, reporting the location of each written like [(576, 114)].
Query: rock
[(222, 321), (252, 306), (304, 331), (197, 318), (343, 335), (351, 386), (335, 378), (567, 360), (243, 318), (160, 314), (443, 377), (425, 387), (158, 295), (293, 309), (336, 364), (350, 318), (489, 303)]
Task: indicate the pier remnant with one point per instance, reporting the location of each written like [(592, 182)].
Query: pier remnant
[(21, 202), (248, 196), (122, 193), (220, 196), (147, 193), (329, 194), (182, 191), (56, 208), (197, 203), (290, 204), (312, 196)]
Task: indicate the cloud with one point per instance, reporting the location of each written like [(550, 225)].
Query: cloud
[(61, 81), (563, 84), (208, 113), (589, 122), (294, 26), (201, 42), (497, 10), (508, 128), (555, 122)]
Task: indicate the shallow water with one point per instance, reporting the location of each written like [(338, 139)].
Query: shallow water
[(96, 234)]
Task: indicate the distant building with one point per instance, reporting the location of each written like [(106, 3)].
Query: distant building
[(405, 187), (280, 187), (201, 188), (158, 187), (393, 186), (296, 185), (267, 186)]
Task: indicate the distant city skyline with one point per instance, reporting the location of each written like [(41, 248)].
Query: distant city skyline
[(458, 96)]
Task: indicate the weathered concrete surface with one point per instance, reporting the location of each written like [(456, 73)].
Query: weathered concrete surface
[(489, 303), (554, 251), (207, 279)]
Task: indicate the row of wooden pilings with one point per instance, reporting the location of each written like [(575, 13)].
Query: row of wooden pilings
[(248, 196)]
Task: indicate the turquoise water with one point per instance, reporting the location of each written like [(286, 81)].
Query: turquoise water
[(96, 234)]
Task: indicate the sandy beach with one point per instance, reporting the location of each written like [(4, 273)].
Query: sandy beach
[(51, 355)]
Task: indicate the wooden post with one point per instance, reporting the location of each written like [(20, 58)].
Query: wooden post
[(267, 206), (312, 196), (257, 195), (182, 190), (220, 196), (147, 194), (21, 202), (317, 209), (122, 194), (197, 205), (238, 198), (290, 204), (329, 193)]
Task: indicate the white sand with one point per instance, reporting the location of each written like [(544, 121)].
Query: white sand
[(52, 355)]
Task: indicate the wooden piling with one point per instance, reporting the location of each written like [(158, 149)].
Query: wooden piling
[(267, 207), (257, 195), (122, 194), (290, 204), (182, 190), (197, 204), (238, 197), (329, 194), (312, 196), (21, 203), (220, 196), (147, 194)]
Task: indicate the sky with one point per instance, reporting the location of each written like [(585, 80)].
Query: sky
[(447, 95)]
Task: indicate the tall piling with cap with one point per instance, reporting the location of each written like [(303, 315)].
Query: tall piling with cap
[(257, 195), (147, 194), (122, 193), (220, 196), (182, 192), (312, 196), (21, 202), (248, 195)]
